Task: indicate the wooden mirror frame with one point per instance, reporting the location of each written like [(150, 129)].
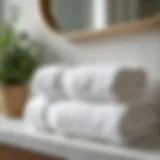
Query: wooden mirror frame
[(45, 14)]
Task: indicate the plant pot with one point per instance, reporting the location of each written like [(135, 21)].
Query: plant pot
[(12, 99)]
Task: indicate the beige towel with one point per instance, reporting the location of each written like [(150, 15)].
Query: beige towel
[(140, 126), (130, 84)]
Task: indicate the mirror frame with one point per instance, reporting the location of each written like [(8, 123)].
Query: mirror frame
[(143, 24)]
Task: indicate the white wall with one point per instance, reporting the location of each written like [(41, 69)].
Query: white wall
[(141, 48)]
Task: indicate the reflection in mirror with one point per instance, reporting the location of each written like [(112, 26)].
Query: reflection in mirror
[(77, 15)]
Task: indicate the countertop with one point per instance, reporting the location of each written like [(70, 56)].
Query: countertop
[(14, 133)]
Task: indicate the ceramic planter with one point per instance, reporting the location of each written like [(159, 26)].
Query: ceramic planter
[(12, 99)]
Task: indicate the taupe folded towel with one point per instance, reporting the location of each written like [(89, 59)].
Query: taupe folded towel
[(140, 126)]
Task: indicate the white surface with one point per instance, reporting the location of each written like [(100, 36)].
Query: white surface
[(12, 133), (100, 17)]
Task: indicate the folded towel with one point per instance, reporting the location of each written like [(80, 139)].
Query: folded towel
[(98, 83), (35, 112), (99, 122), (47, 81), (135, 125), (141, 125), (108, 83)]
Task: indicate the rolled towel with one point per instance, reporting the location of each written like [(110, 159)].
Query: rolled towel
[(98, 122), (77, 83), (106, 83), (35, 112), (141, 126), (47, 81)]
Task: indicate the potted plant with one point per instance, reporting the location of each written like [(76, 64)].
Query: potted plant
[(19, 56)]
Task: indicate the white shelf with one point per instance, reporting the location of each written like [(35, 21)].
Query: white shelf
[(13, 133)]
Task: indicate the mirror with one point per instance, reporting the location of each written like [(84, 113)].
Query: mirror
[(68, 16)]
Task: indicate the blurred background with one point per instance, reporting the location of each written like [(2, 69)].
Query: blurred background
[(82, 14)]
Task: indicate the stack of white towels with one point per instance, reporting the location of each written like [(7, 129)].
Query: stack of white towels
[(94, 102)]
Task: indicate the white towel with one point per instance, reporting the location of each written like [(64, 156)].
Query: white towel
[(100, 122), (35, 112), (47, 81), (107, 83)]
